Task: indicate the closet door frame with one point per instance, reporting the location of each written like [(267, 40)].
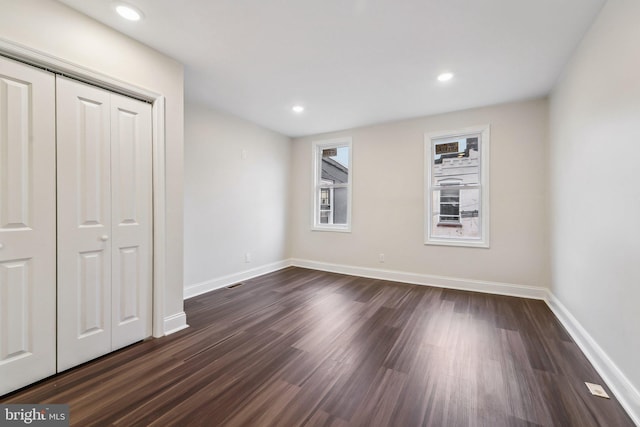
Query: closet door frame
[(158, 137)]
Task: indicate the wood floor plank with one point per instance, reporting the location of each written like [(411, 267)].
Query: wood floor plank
[(300, 347)]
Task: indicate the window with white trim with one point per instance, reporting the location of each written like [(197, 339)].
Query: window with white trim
[(332, 185), (457, 187)]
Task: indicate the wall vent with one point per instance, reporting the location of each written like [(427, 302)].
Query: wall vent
[(235, 285)]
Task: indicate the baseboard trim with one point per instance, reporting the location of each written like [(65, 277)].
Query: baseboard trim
[(220, 282), (498, 288), (175, 322), (622, 388)]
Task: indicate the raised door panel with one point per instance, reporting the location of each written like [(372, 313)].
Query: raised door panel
[(27, 225), (84, 222), (131, 213)]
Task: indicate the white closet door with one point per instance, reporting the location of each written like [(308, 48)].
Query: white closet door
[(27, 225), (104, 222), (131, 190), (84, 222)]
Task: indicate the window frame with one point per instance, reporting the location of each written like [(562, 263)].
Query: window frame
[(484, 132), (317, 184)]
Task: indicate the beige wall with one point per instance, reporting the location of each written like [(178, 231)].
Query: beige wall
[(233, 205), (595, 198), (387, 217), (54, 29)]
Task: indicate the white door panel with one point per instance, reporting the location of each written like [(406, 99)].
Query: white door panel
[(84, 222), (104, 244), (131, 212), (27, 225)]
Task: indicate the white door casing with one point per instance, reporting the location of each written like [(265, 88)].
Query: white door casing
[(27, 225)]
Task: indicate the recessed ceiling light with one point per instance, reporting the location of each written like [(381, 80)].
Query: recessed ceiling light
[(128, 12), (445, 77), (298, 109)]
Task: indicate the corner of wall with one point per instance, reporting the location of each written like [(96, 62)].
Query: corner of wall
[(212, 284), (620, 385)]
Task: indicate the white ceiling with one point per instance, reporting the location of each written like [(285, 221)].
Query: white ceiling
[(357, 62)]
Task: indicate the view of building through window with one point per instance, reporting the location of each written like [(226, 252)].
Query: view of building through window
[(333, 196), (456, 165), (332, 185), (455, 188)]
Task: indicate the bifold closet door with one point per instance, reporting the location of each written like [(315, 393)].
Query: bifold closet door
[(131, 213), (27, 225), (104, 221), (84, 222)]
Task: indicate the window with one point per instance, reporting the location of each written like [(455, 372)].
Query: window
[(457, 187), (332, 185)]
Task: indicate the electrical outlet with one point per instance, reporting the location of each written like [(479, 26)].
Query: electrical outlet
[(243, 153), (247, 257), (381, 257), (597, 390)]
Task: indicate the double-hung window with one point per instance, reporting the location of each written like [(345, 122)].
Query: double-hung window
[(332, 185), (457, 187)]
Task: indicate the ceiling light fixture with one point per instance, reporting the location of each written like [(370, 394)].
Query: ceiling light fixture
[(445, 77), (128, 12), (298, 109)]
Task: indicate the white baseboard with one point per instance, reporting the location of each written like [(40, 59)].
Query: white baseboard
[(191, 291), (622, 388), (533, 292), (175, 322)]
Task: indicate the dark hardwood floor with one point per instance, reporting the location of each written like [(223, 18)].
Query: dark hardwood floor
[(302, 347)]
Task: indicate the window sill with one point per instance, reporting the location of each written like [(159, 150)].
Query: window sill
[(457, 242), (336, 228)]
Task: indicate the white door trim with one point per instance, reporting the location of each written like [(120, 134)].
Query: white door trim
[(158, 169), (60, 66)]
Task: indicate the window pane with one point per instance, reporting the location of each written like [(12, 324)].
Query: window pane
[(456, 161), (340, 205), (456, 213), (335, 210), (335, 165)]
